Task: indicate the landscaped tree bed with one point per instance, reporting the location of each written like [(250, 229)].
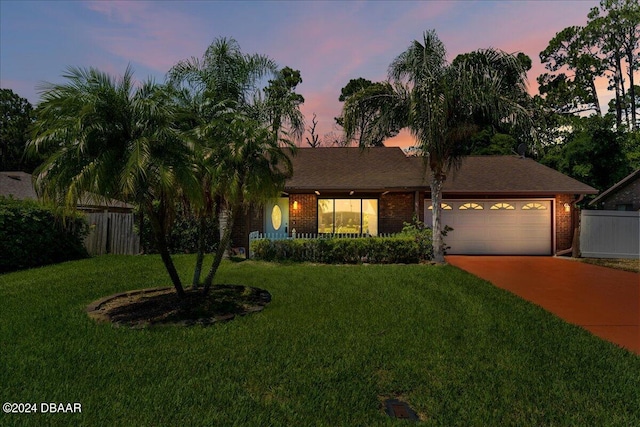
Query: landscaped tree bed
[(163, 306)]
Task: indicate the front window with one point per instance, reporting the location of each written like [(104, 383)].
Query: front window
[(357, 216)]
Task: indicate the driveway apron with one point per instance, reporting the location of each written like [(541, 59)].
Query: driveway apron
[(604, 301)]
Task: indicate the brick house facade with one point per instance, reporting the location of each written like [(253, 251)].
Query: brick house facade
[(398, 186)]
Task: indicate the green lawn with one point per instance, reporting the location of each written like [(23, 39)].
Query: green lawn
[(333, 343)]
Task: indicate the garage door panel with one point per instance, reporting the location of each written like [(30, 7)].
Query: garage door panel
[(519, 227)]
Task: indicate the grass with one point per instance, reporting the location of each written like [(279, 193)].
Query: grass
[(619, 264), (334, 342)]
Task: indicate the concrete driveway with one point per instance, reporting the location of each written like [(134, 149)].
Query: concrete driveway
[(604, 301)]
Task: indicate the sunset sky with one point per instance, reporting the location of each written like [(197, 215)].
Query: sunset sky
[(329, 42)]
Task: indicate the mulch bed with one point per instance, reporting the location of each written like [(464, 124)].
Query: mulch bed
[(162, 306)]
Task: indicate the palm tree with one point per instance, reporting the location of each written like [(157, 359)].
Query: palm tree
[(224, 79), (112, 140), (233, 120), (251, 168), (442, 104)]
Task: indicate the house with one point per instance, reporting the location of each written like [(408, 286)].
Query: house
[(111, 221), (623, 196), (19, 185), (495, 204)]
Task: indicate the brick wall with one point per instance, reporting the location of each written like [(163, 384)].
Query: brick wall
[(564, 227), (304, 220), (626, 195), (394, 210)]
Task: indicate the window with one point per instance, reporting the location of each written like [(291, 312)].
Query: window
[(359, 216), (276, 217), (624, 207), (502, 206), (534, 206), (443, 206), (471, 206)]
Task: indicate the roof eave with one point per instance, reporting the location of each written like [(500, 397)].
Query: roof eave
[(616, 186)]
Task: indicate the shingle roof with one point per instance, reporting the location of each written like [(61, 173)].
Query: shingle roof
[(624, 181), (511, 174), (18, 185), (350, 168), (387, 168)]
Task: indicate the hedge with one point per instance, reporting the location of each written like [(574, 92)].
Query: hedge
[(183, 236), (31, 235), (376, 250)]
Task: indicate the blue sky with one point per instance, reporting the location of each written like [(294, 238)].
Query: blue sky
[(329, 42)]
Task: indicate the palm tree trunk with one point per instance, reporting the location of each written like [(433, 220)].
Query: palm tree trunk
[(163, 248), (436, 200), (197, 272), (222, 246)]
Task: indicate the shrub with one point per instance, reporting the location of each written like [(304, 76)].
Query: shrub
[(183, 237), (423, 236), (32, 235), (380, 250)]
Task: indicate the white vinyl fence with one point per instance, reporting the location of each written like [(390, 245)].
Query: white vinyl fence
[(111, 233), (610, 234)]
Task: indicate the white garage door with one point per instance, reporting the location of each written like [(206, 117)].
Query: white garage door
[(496, 227)]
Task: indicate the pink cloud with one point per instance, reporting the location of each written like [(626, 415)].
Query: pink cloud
[(152, 36)]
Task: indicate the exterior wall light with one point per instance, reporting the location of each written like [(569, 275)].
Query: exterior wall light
[(296, 206), (567, 207)]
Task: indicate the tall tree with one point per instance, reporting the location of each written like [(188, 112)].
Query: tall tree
[(441, 104), (593, 152), (233, 118), (282, 105), (16, 115), (251, 168), (224, 79), (615, 26), (373, 102), (572, 50), (111, 139)]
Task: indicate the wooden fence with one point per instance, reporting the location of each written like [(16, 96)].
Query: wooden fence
[(111, 233), (610, 234)]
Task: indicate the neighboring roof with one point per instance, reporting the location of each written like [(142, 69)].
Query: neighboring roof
[(388, 168), (624, 181), (511, 175), (18, 185), (352, 168)]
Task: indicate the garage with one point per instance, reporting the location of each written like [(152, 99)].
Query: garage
[(497, 227)]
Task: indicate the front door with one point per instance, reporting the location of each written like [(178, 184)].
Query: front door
[(277, 218)]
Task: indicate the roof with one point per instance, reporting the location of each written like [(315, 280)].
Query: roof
[(509, 175), (389, 169), (352, 168), (19, 185), (624, 181)]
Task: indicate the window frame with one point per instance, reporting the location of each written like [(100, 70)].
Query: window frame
[(471, 206), (333, 205), (502, 206)]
